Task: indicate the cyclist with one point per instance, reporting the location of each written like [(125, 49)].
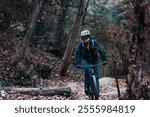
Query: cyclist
[(87, 52)]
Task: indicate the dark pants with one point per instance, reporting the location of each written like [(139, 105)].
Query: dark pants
[(87, 74)]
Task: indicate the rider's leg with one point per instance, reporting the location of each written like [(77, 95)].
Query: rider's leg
[(86, 75)]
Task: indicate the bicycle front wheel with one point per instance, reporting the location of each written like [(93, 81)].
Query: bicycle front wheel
[(94, 93)]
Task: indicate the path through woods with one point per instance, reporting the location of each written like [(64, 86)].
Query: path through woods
[(107, 86)]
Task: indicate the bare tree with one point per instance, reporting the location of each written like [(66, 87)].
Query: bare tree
[(2, 2), (72, 39), (83, 18), (130, 44), (62, 22), (19, 55), (136, 50)]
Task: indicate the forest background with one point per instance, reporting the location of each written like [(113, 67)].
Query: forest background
[(38, 41)]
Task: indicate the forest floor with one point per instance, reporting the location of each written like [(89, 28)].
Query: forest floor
[(41, 69), (107, 85)]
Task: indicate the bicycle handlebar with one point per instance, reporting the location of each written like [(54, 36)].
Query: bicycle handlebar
[(90, 66)]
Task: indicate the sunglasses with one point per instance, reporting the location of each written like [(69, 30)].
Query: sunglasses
[(85, 37)]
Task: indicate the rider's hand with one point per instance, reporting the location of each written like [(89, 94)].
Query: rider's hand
[(78, 66), (105, 62)]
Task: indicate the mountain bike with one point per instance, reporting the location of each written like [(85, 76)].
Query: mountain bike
[(93, 93)]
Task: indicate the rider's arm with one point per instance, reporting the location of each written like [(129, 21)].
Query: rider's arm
[(101, 51), (78, 54)]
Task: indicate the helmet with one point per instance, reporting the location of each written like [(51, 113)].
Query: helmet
[(85, 32)]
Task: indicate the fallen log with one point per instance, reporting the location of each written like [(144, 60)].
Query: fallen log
[(46, 91)]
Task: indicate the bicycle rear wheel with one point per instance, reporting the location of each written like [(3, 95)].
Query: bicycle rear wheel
[(93, 89)]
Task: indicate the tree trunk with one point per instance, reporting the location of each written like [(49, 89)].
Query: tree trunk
[(47, 91), (135, 77), (72, 39), (20, 54), (62, 23), (84, 15), (2, 2)]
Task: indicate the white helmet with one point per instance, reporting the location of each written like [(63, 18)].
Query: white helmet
[(85, 32)]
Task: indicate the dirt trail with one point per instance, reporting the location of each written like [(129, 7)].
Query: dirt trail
[(108, 89)]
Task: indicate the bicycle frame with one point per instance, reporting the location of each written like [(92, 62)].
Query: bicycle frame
[(93, 85)]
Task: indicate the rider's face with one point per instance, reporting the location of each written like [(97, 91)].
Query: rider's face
[(85, 38)]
